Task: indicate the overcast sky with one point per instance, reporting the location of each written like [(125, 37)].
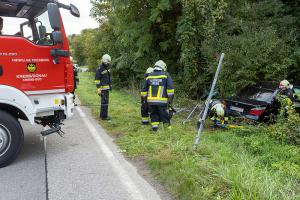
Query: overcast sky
[(72, 24)]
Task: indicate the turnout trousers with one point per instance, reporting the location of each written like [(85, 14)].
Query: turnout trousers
[(159, 113), (104, 104), (145, 112)]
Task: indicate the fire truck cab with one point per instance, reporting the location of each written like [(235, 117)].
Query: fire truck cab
[(36, 74)]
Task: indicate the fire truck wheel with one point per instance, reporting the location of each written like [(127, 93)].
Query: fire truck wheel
[(11, 138)]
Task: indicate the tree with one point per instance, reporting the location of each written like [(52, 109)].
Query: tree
[(260, 39)]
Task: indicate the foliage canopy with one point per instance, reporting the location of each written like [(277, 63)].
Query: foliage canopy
[(259, 37)]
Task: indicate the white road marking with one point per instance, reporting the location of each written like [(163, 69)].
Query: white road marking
[(116, 165)]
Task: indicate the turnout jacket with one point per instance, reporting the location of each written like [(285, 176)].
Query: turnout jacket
[(158, 88), (102, 77), (289, 93), (218, 120)]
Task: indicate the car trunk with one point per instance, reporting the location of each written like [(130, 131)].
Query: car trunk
[(249, 108)]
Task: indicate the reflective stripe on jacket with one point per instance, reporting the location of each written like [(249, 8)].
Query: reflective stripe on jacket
[(158, 88)]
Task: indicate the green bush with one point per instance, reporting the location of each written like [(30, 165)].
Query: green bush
[(259, 37), (287, 127)]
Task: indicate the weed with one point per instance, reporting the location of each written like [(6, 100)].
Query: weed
[(229, 164)]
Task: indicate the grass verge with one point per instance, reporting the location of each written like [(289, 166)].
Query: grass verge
[(229, 164)]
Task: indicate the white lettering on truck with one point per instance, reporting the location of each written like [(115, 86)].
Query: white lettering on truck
[(8, 54), (31, 77), (36, 60)]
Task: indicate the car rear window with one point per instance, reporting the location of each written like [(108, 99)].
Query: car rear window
[(256, 93)]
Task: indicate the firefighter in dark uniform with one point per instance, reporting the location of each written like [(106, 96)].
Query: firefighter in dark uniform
[(159, 92), (76, 80), (144, 103), (287, 90), (104, 85)]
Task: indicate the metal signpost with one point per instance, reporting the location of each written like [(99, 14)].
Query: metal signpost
[(203, 118)]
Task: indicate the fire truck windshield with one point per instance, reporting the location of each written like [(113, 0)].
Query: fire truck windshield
[(29, 19), (38, 30), (11, 25), (44, 29)]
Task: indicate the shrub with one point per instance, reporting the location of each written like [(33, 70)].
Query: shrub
[(287, 128)]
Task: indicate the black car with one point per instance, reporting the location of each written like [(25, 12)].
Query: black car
[(258, 102)]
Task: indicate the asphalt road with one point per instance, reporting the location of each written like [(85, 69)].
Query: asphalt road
[(84, 165)]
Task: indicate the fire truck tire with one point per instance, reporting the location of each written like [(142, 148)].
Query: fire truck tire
[(11, 138)]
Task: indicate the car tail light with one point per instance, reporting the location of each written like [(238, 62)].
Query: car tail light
[(257, 111)]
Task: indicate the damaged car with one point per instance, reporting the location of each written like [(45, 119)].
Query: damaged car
[(258, 102)]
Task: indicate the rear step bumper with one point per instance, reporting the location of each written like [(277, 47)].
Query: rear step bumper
[(51, 131)]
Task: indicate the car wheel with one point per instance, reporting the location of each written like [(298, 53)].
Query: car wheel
[(11, 138)]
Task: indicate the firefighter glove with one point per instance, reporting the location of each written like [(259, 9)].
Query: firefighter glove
[(99, 91)]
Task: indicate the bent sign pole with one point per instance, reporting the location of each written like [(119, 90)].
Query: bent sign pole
[(190, 115), (203, 118)]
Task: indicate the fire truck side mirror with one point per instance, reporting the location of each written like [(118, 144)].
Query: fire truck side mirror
[(54, 16), (74, 10), (57, 37)]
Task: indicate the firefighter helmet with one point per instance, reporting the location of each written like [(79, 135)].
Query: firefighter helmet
[(161, 64), (106, 59), (219, 109), (284, 84), (149, 70)]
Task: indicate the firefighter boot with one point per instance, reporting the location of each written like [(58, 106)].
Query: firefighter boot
[(155, 126)]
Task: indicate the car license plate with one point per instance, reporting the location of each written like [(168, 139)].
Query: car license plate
[(237, 109)]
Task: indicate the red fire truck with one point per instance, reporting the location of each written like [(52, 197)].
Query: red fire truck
[(36, 75)]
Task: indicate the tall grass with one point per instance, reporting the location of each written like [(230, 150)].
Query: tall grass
[(231, 164)]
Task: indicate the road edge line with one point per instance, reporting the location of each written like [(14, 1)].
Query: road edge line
[(126, 180)]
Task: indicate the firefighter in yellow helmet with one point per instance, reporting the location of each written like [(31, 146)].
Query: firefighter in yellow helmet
[(144, 103), (159, 92), (287, 90), (217, 114), (104, 85)]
